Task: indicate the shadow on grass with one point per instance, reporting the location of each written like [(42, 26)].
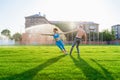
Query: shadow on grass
[(29, 75), (106, 72), (89, 71)]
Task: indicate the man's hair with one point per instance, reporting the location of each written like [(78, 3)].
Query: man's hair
[(55, 29)]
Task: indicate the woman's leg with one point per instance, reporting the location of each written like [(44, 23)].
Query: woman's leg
[(58, 44), (61, 46)]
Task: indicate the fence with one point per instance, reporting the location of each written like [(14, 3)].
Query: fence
[(12, 42), (7, 42), (115, 42)]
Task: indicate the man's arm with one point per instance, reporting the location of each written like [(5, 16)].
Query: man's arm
[(69, 32), (85, 37)]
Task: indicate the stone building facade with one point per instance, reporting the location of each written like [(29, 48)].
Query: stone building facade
[(36, 19), (88, 26), (91, 28)]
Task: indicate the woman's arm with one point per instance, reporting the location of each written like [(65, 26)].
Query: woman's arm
[(48, 34)]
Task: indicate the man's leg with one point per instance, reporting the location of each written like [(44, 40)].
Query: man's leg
[(73, 44), (77, 46)]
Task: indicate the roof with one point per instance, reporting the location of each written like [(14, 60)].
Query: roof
[(76, 22), (35, 15), (118, 25)]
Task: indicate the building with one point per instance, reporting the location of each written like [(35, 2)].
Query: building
[(33, 34), (35, 26), (88, 26), (36, 19), (91, 28), (116, 29)]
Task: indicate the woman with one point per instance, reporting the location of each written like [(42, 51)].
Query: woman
[(59, 42)]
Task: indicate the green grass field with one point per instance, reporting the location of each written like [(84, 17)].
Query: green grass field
[(48, 63)]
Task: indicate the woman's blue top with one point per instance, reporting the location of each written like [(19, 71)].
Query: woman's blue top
[(56, 35)]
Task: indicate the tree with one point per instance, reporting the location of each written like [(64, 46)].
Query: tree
[(6, 32), (17, 36), (113, 35), (107, 36)]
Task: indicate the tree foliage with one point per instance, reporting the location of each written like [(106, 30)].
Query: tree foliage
[(17, 36), (6, 32), (107, 35)]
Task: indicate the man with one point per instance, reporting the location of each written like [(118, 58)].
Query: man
[(80, 34)]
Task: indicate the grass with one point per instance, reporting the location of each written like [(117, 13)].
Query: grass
[(48, 63)]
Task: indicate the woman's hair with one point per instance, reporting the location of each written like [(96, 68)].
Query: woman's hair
[(55, 29)]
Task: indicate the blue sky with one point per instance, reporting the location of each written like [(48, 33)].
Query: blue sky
[(104, 12)]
